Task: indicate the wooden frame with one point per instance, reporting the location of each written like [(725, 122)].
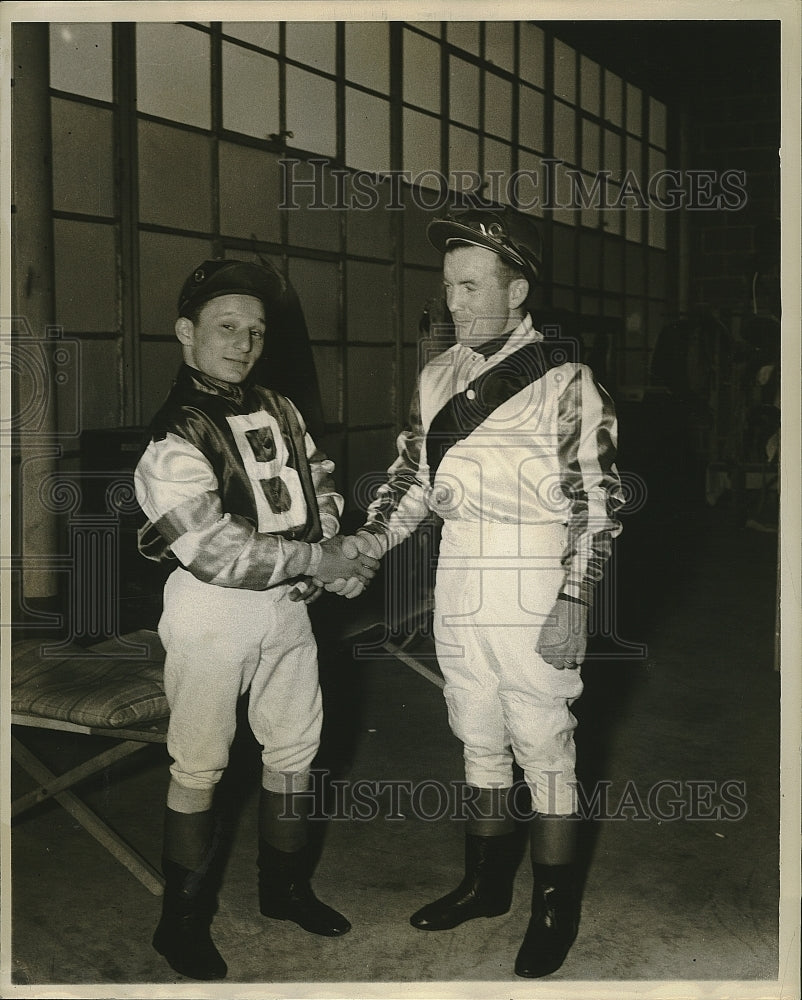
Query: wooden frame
[(50, 785)]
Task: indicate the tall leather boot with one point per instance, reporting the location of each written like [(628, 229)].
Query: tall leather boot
[(554, 922), (190, 899), (285, 892), (485, 891), (285, 866)]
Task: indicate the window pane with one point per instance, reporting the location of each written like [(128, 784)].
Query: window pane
[(164, 263), (589, 257), (364, 448), (414, 219), (419, 287), (160, 361), (498, 104), (318, 284), (311, 111), (497, 158), (83, 158), (100, 409), (613, 217), (421, 145), (313, 43), (463, 149), (633, 158), (367, 59), (178, 56), (612, 153), (590, 213), (421, 71), (500, 44), (657, 228), (564, 197), (464, 34), (590, 146), (564, 253), (327, 359), (371, 385), (312, 190), (170, 193), (367, 131), (86, 280), (463, 92), (80, 59), (532, 54), (633, 222), (613, 101), (370, 301), (564, 133), (265, 34), (249, 193), (589, 77), (529, 181), (250, 92), (657, 122), (633, 109), (368, 226), (530, 126), (564, 70)]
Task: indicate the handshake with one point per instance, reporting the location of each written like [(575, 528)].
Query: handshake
[(346, 567)]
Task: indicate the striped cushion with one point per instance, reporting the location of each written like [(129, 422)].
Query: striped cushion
[(90, 687)]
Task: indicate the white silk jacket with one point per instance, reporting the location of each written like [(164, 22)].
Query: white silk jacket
[(525, 436)]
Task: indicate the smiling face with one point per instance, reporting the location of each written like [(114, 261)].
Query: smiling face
[(227, 338), (482, 301)]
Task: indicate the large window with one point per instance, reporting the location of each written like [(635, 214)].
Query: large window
[(328, 147)]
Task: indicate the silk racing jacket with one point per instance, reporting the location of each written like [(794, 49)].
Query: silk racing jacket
[(233, 485), (525, 435)]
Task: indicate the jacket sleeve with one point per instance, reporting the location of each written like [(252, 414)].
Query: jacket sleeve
[(401, 501), (587, 443), (179, 493)]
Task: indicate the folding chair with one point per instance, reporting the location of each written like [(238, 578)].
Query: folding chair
[(112, 690)]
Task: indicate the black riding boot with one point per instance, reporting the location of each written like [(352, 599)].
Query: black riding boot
[(285, 866), (190, 898), (285, 892), (485, 891), (554, 922), (183, 932)]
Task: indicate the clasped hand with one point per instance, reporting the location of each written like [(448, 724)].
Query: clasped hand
[(346, 566), (362, 546)]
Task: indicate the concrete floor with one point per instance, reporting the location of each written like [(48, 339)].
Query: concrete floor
[(664, 899)]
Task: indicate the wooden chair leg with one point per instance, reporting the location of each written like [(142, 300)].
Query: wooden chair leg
[(50, 784)]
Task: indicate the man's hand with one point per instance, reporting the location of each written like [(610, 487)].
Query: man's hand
[(564, 636), (366, 544), (306, 590), (343, 559)]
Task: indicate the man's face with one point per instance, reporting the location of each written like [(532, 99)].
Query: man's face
[(227, 339), (480, 303)]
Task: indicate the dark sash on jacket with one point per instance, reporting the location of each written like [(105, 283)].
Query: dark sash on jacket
[(470, 408)]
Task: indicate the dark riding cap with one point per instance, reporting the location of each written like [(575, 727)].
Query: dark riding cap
[(510, 234), (213, 278)]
